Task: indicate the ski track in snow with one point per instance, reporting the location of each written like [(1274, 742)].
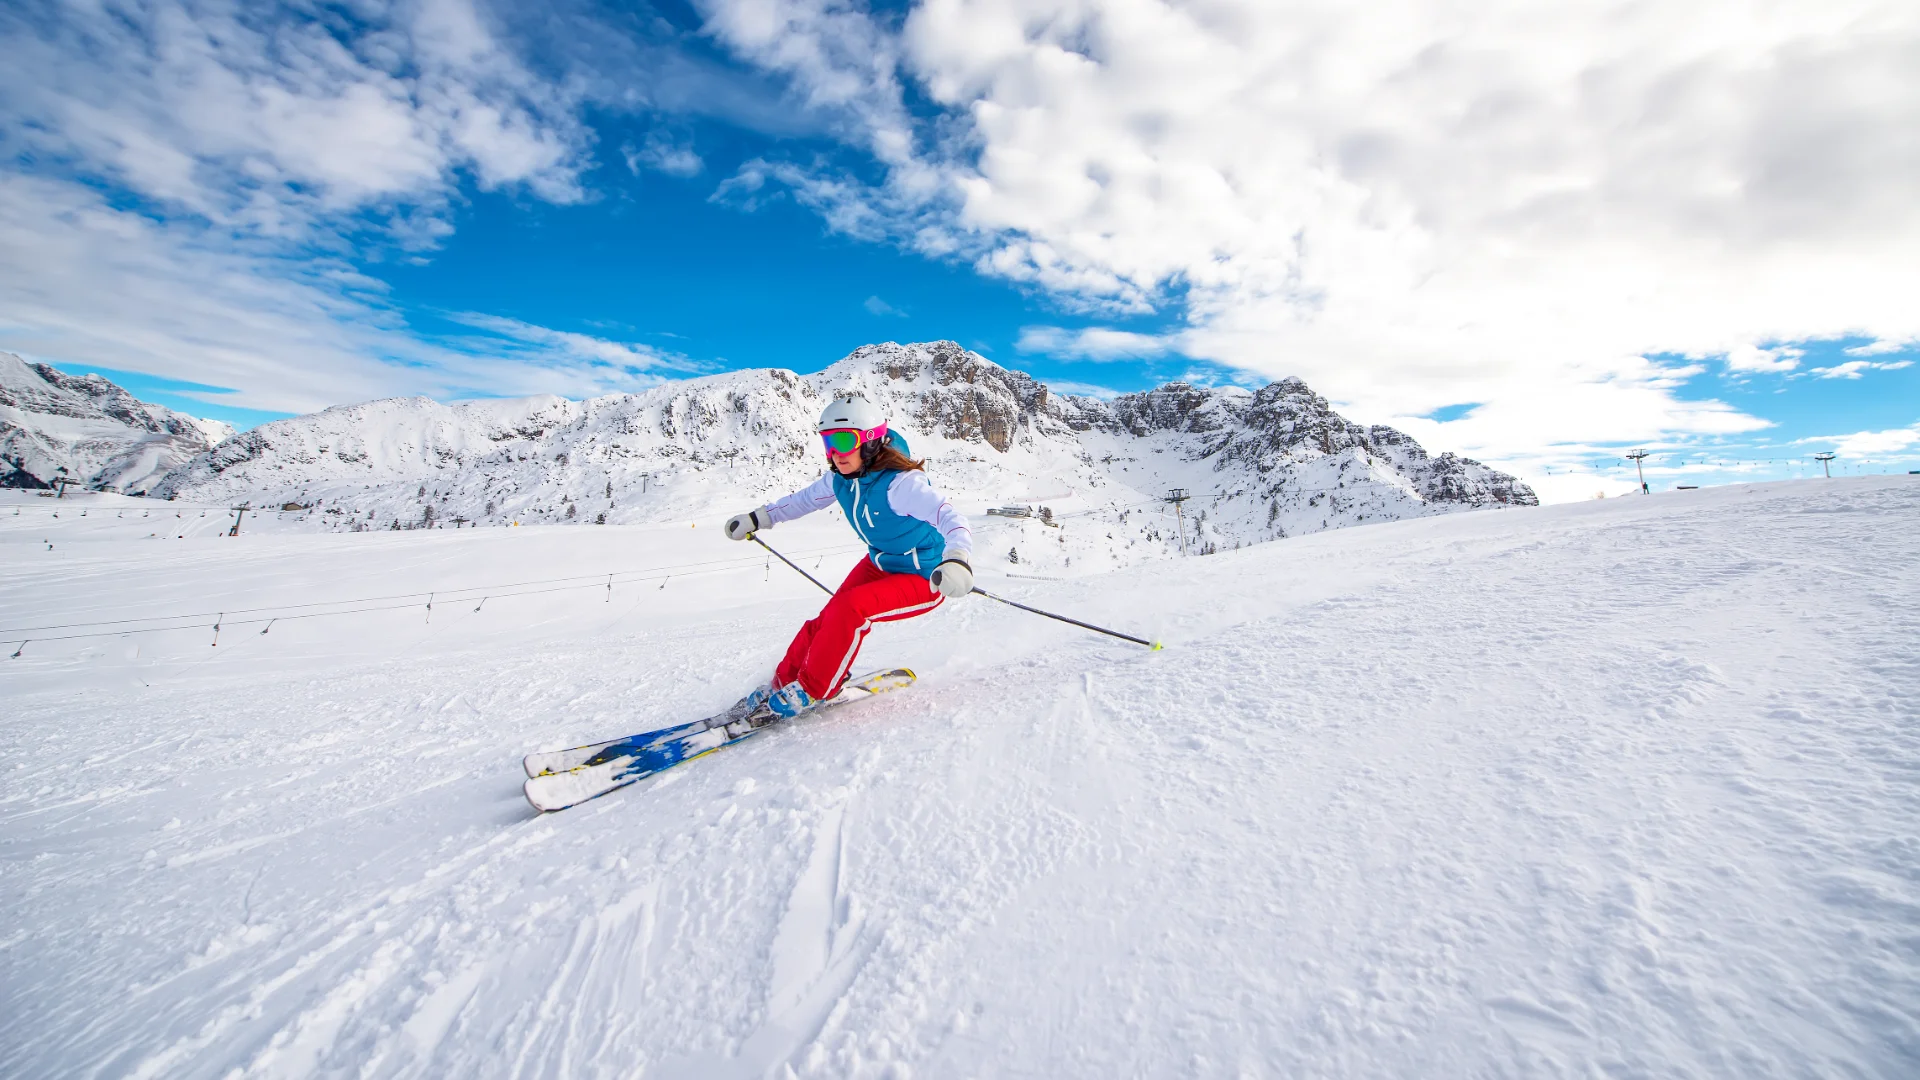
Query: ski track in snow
[(1624, 788)]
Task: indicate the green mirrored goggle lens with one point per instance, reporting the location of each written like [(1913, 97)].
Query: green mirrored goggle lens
[(845, 441)]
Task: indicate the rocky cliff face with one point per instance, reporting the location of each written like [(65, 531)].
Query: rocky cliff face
[(940, 388), (1448, 479), (1275, 462), (85, 429), (1286, 423)]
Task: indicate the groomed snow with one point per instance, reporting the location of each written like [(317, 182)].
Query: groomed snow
[(1625, 788)]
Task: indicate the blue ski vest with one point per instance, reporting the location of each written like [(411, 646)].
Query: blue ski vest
[(896, 543)]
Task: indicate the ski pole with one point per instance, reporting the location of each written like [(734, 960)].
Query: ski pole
[(755, 537), (1083, 625), (1086, 626)]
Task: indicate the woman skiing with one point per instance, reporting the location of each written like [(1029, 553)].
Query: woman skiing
[(918, 547)]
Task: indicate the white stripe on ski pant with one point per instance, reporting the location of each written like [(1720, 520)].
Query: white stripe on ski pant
[(860, 635)]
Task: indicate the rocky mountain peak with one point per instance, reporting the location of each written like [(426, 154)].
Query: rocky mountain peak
[(87, 429), (1177, 406), (943, 389), (1287, 415)]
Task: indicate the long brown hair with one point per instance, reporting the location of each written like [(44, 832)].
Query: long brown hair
[(880, 456)]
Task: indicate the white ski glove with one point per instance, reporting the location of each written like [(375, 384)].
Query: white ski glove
[(953, 577), (741, 526)]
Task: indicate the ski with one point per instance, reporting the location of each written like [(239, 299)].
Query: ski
[(559, 761), (557, 791), (556, 761), (563, 778)]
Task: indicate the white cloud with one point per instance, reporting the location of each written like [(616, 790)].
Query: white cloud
[(1092, 343), (1545, 423), (1849, 370), (847, 206), (662, 154), (267, 120), (1882, 347), (843, 66), (291, 333), (880, 307), (1854, 369), (1872, 443), (1751, 358), (615, 355), (1068, 386), (1407, 208)]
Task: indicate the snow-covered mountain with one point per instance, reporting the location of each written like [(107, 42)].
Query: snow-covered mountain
[(1276, 462), (90, 431)]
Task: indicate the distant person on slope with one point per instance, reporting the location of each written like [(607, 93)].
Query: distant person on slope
[(918, 550)]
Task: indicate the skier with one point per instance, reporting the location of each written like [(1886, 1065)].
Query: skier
[(918, 551)]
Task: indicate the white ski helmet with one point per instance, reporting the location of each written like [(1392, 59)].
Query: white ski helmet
[(854, 411)]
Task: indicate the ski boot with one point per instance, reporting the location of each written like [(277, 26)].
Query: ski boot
[(754, 702), (790, 701)]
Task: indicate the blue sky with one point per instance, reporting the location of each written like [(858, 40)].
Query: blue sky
[(1537, 240), (728, 287)]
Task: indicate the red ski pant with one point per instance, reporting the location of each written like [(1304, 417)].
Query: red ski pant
[(822, 652)]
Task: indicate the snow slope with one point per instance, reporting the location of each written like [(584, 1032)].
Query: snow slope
[(1623, 788), (1279, 462), (85, 428)]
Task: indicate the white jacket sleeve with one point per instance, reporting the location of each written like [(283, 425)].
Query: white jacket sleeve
[(913, 496), (815, 496)]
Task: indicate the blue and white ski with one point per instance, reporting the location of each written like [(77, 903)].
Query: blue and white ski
[(563, 778)]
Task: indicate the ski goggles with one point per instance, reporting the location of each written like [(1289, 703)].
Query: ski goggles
[(847, 440)]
